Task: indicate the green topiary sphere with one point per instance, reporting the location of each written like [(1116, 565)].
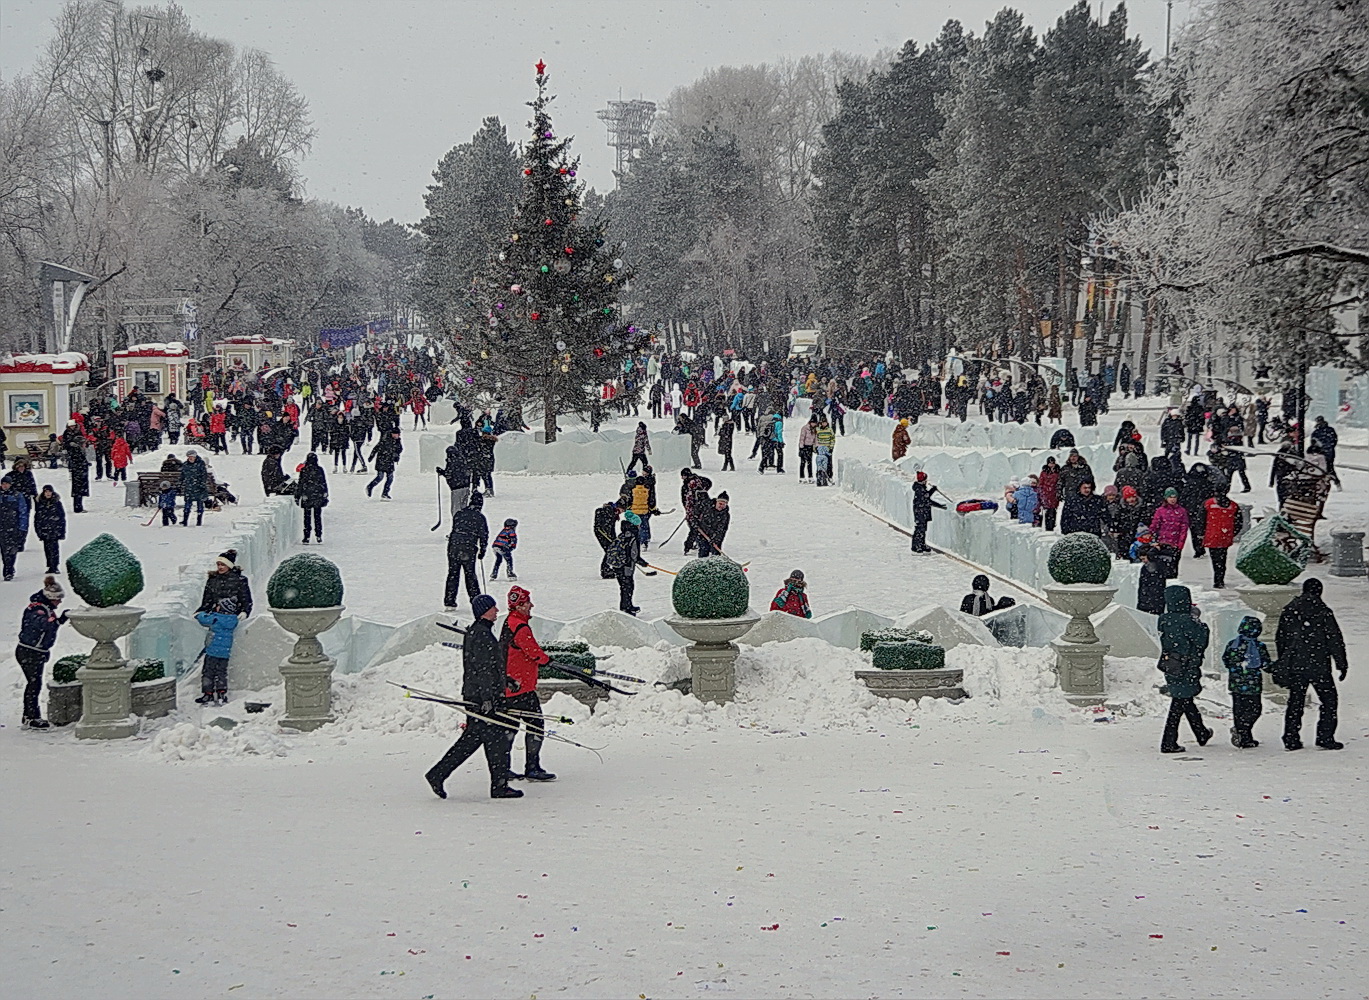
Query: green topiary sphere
[(710, 588), (104, 573), (305, 581), (1079, 557)]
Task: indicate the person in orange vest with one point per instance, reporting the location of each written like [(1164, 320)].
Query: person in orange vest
[(1223, 525), (792, 599), (524, 660)]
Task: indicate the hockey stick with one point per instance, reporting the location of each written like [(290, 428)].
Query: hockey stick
[(677, 528), (152, 518), (439, 506)]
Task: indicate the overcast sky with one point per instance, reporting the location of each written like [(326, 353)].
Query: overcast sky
[(394, 84)]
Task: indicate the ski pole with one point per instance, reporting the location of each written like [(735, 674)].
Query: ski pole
[(461, 706)]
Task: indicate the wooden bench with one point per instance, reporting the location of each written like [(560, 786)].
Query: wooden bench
[(37, 451), (150, 484)]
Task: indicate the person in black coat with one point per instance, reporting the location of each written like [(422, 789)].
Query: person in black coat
[(50, 525), (1159, 565), (1195, 491), (978, 602), (469, 537), (922, 511), (386, 456), (714, 520), (74, 444), (13, 508), (483, 681), (1062, 438), (1161, 477), (1083, 512), (457, 468), (226, 580), (311, 493), (274, 481), (1309, 644), (606, 530)]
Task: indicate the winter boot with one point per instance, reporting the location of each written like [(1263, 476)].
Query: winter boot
[(37, 724), (534, 770), (435, 785), (221, 697), (1203, 737), (205, 698), (1324, 744), (1174, 749), (505, 792)]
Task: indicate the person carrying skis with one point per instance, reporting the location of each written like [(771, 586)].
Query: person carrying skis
[(524, 658), (922, 511), (483, 683), (792, 598), (465, 545), (37, 633)]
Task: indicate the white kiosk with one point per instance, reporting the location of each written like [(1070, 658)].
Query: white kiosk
[(155, 370), (39, 393), (250, 353)]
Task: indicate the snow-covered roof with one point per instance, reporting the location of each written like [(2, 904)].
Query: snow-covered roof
[(254, 340), (170, 350), (60, 364)]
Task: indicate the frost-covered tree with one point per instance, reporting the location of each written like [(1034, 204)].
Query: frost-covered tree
[(1261, 229), (543, 323), (473, 195)]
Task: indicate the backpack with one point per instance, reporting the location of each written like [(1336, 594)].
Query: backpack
[(506, 637), (616, 557)]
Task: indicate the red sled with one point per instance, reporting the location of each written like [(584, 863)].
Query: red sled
[(970, 506)]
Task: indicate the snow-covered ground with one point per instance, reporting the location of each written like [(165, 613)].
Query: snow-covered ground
[(808, 840)]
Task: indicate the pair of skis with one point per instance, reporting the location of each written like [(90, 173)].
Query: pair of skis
[(594, 678), (471, 712)]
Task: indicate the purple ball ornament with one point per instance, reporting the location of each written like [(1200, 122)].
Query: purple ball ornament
[(548, 135), (499, 305), (571, 173)]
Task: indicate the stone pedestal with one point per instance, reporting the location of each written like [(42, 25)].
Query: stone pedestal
[(911, 685), (713, 653), (1078, 652), (1268, 600), (1347, 554), (106, 691), (308, 673)]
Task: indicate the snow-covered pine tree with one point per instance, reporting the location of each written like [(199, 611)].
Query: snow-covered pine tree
[(545, 324)]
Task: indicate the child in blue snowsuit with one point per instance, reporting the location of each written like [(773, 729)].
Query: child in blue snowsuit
[(504, 544), (166, 503), (1244, 658), (221, 622)]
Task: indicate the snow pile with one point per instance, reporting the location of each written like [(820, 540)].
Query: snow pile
[(192, 741)]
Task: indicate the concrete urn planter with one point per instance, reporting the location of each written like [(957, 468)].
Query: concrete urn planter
[(713, 652), (1078, 652), (911, 685), (106, 689), (308, 672)]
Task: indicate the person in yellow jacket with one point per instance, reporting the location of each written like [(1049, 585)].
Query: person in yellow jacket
[(642, 502), (827, 441), (901, 439)]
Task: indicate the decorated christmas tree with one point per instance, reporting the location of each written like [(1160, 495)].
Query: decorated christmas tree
[(546, 328)]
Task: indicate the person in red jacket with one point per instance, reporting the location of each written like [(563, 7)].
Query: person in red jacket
[(1223, 525), (120, 454), (792, 599), (218, 431), (525, 657)]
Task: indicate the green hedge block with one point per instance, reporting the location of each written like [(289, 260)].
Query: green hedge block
[(1273, 551), (1079, 557), (868, 640), (104, 573), (908, 656), (64, 670), (554, 648), (147, 670), (305, 581), (576, 661), (711, 588)]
